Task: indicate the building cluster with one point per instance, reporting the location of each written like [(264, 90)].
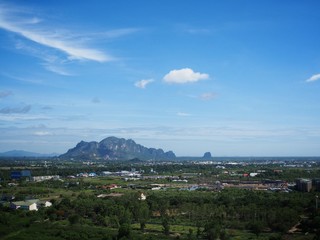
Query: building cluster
[(45, 178), (123, 173), (245, 181), (305, 185), (31, 204)]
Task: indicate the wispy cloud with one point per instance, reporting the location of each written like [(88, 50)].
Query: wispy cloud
[(198, 30), (115, 33), (185, 75), (44, 38), (19, 117), (51, 62), (143, 83), (313, 78), (57, 69), (183, 114), (25, 79), (207, 96), (53, 46), (42, 133), (4, 94), (10, 110)]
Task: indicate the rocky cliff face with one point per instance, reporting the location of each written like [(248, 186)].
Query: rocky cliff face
[(113, 148)]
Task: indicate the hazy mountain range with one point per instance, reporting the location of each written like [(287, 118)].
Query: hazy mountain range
[(111, 148), (21, 153)]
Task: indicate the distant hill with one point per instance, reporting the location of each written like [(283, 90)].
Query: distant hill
[(207, 156), (21, 153), (113, 148)]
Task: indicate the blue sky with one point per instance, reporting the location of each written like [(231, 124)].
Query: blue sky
[(236, 78)]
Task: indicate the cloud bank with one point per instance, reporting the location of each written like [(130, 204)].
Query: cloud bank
[(184, 75)]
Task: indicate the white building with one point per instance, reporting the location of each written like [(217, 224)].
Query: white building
[(142, 197), (31, 205), (44, 178)]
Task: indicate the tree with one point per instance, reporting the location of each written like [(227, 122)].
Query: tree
[(256, 227), (282, 219), (190, 235), (124, 231), (125, 216), (165, 225), (143, 215), (213, 230), (74, 219), (100, 220)]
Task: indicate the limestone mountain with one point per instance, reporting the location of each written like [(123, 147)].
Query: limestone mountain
[(113, 148), (207, 156)]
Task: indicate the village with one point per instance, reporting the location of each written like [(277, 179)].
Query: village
[(227, 175)]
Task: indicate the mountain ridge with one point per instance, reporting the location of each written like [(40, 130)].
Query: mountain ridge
[(113, 148)]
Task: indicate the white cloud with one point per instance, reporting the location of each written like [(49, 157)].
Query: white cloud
[(42, 133), (143, 83), (313, 78), (185, 75), (29, 29)]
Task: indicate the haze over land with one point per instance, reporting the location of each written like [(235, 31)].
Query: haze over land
[(236, 78)]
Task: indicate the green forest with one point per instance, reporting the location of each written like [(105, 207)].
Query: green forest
[(169, 213)]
